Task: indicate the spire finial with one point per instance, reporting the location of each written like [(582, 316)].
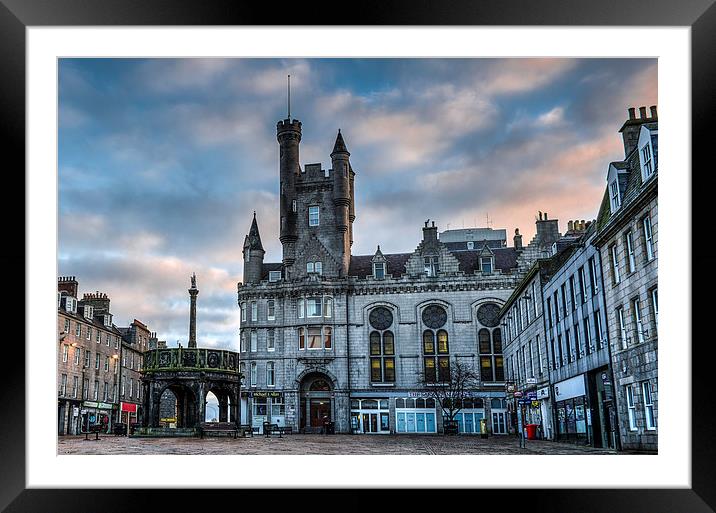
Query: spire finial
[(289, 97), (254, 214)]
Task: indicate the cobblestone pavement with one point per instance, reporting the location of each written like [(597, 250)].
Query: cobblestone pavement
[(318, 444)]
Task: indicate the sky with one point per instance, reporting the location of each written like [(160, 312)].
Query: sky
[(161, 162)]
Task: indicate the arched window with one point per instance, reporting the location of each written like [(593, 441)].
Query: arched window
[(382, 346), (491, 359), (436, 359)]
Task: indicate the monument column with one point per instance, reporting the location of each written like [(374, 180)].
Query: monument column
[(193, 292)]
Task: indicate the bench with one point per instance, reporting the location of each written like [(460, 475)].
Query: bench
[(94, 428), (245, 429), (269, 429), (221, 428)]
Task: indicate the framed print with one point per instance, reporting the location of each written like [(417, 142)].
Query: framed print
[(465, 296)]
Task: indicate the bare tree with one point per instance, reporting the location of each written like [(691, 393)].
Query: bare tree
[(450, 387)]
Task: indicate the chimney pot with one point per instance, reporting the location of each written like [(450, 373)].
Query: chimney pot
[(632, 112), (642, 112), (570, 225), (653, 111), (545, 216)]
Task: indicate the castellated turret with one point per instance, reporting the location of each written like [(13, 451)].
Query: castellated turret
[(288, 133), (253, 254)]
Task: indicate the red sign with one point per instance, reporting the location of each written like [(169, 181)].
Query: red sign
[(130, 407), (518, 394)]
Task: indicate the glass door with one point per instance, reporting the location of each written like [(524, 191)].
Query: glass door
[(499, 422)]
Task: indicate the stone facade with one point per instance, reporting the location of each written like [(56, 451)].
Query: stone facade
[(135, 341), (327, 336), (87, 359), (627, 239)]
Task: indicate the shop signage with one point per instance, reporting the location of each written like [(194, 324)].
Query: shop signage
[(531, 381), (130, 407), (267, 394), (93, 404), (569, 388), (543, 393), (418, 394), (535, 404), (532, 396), (517, 393), (75, 411)]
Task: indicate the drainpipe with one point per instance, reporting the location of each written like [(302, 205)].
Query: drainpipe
[(348, 358)]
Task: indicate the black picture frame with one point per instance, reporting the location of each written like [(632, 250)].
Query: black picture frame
[(700, 15)]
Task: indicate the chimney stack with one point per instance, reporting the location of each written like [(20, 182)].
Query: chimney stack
[(430, 233), (632, 112), (653, 111), (631, 127), (570, 226), (517, 239), (642, 112)]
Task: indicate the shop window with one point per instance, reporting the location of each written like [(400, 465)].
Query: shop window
[(260, 406), (278, 407)]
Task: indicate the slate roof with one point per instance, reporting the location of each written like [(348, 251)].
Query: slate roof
[(362, 265)]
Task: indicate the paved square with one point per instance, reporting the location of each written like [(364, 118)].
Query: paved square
[(318, 444)]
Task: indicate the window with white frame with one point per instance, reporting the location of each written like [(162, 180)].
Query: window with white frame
[(648, 405), (573, 292), (270, 374), (63, 385), (314, 216), (67, 326), (254, 341), (588, 345), (593, 276), (105, 395), (655, 306), (328, 307), (99, 336), (243, 312), (647, 163), (294, 206), (314, 307), (78, 330), (85, 389), (254, 374), (89, 333), (616, 277), (432, 265), (318, 266), (65, 352), (621, 330), (379, 270), (579, 351), (539, 355), (254, 311), (274, 276), (631, 408), (270, 340), (300, 306), (638, 325), (242, 371), (648, 238), (629, 245), (96, 390), (271, 310), (582, 286), (486, 264), (75, 383), (614, 195), (87, 358), (470, 245), (599, 333), (78, 353)]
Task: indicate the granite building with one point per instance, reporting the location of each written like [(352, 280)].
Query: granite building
[(135, 341), (88, 359), (359, 340), (627, 235)]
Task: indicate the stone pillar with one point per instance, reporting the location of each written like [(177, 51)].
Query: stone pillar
[(223, 408), (193, 292)]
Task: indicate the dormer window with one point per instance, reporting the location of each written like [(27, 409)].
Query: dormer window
[(313, 216), (432, 266), (614, 195), (88, 311), (486, 264), (647, 162), (314, 267), (379, 270), (107, 320), (470, 245)]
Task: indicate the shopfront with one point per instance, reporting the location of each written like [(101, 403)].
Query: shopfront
[(266, 407), (415, 415), (96, 413), (572, 410), (469, 417), (500, 417), (128, 413), (370, 415)]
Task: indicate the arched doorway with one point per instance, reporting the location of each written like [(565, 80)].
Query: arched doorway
[(316, 402), (177, 407), (218, 406)]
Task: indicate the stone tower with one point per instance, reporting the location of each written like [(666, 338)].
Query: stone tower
[(317, 208), (253, 254), (193, 292)]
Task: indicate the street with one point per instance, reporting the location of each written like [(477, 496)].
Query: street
[(319, 444)]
